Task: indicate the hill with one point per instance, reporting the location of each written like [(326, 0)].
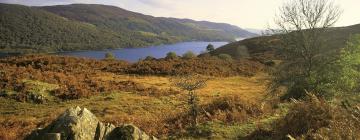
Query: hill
[(26, 29), (89, 27), (222, 28), (117, 19), (265, 46)]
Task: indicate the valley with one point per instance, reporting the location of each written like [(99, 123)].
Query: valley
[(73, 71), (98, 27)]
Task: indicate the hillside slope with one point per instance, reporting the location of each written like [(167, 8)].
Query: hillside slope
[(25, 29), (265, 46), (222, 28), (89, 26), (117, 19)]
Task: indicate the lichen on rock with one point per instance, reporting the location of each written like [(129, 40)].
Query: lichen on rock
[(80, 124)]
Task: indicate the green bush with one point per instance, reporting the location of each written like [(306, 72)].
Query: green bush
[(314, 118), (189, 55), (109, 56), (171, 55), (225, 57), (149, 58), (331, 74), (210, 48)]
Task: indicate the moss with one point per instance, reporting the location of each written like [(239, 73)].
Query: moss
[(38, 86), (41, 88)]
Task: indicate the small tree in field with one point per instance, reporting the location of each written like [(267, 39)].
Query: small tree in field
[(345, 72), (191, 83), (189, 55), (210, 48), (171, 55)]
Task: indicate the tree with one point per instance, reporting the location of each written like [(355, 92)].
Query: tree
[(302, 26), (171, 55), (189, 55), (210, 48), (109, 56), (344, 72), (191, 83)]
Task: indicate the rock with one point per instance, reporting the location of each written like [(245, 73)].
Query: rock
[(103, 130), (128, 132), (74, 124), (81, 124)]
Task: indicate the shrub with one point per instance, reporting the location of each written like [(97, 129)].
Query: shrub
[(314, 118), (189, 55), (225, 57), (232, 109), (210, 48), (149, 58), (109, 56), (328, 74), (191, 83), (171, 55), (205, 66)]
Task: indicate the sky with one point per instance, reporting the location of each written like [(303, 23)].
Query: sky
[(256, 14)]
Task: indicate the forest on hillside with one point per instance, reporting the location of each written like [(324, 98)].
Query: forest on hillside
[(65, 28)]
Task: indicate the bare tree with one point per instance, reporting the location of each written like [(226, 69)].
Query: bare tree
[(191, 83), (302, 25)]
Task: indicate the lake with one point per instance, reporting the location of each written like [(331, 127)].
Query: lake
[(134, 54)]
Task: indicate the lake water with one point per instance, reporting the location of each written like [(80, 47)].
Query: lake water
[(3, 55), (134, 54)]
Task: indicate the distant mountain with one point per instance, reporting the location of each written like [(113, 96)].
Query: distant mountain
[(25, 29), (223, 28), (118, 19), (91, 26), (255, 31), (266, 46)]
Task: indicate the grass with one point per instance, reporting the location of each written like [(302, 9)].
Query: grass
[(115, 107), (220, 130), (249, 88), (148, 34), (118, 107), (41, 88)]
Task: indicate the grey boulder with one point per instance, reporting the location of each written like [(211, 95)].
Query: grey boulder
[(80, 124)]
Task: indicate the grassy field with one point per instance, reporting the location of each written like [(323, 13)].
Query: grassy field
[(234, 104), (147, 112)]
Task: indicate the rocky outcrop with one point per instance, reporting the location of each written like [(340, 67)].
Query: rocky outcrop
[(80, 124), (103, 130), (128, 132)]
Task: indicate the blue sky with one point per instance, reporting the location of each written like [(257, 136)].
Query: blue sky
[(244, 13)]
